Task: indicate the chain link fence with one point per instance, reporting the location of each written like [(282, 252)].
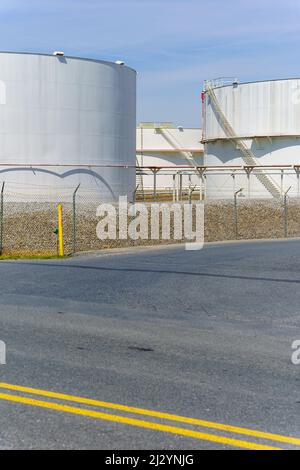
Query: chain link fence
[(28, 225), (252, 219)]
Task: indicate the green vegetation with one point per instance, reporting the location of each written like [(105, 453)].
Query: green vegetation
[(24, 256)]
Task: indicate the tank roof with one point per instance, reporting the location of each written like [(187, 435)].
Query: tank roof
[(255, 81), (68, 57)]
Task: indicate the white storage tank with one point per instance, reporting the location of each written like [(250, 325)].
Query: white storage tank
[(170, 148), (252, 124), (66, 121)]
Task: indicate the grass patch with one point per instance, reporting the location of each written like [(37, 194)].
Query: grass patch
[(27, 256)]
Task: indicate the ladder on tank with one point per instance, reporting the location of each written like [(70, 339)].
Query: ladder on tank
[(177, 146), (248, 157)]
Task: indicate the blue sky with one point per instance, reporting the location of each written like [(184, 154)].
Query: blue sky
[(173, 44)]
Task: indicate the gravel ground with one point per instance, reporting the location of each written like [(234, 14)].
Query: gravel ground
[(28, 228)]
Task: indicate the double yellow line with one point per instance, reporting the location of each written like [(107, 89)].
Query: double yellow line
[(153, 425)]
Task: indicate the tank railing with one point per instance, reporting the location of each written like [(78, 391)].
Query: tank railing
[(219, 82)]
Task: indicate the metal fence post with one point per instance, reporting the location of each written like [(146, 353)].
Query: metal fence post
[(191, 190), (134, 194), (201, 184), (233, 180), (60, 230), (177, 186), (297, 170), (286, 213), (248, 170), (74, 218), (174, 187), (154, 173), (281, 181), (180, 187), (1, 218), (236, 213)]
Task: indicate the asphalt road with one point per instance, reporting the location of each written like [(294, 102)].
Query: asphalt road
[(204, 335)]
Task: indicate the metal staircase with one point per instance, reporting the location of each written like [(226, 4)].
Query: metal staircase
[(248, 157), (171, 139)]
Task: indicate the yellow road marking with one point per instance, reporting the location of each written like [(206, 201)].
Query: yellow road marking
[(136, 422), (156, 414)]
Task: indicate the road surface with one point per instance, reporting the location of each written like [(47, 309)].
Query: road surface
[(158, 349)]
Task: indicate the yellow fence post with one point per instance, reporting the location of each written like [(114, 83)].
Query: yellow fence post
[(60, 231)]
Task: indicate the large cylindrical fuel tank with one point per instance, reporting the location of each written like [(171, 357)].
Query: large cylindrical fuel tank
[(263, 117), (66, 121)]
